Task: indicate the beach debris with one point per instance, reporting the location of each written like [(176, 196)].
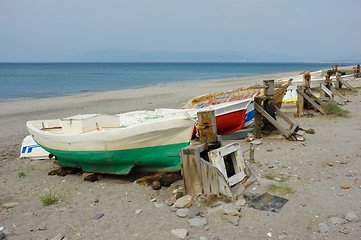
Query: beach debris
[(180, 233), (98, 216), (345, 186), (42, 227), (184, 202), (63, 171), (137, 211), (10, 205), (323, 227), (197, 221), (92, 177), (267, 202), (156, 181), (352, 217)]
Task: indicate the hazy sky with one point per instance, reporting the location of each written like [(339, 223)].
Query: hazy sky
[(54, 30)]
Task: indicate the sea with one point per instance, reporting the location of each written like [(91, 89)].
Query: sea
[(20, 81)]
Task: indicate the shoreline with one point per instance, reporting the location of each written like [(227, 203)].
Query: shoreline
[(323, 171)]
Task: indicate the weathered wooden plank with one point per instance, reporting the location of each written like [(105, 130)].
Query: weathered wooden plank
[(272, 120), (310, 100), (191, 170), (300, 101), (258, 118), (207, 126), (209, 178)]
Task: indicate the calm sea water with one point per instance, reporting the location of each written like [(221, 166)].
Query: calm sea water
[(38, 80)]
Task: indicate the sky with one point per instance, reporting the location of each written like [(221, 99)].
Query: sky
[(53, 30)]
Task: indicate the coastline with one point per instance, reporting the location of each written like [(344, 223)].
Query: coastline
[(315, 169)]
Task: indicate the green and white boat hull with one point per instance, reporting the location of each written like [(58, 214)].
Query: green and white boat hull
[(151, 145)]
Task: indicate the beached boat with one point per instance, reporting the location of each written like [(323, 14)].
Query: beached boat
[(116, 143), (242, 94), (230, 116), (30, 149)]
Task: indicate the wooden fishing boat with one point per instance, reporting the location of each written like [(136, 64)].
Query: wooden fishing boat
[(115, 143), (230, 116), (241, 94)]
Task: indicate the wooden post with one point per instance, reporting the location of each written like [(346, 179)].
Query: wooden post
[(269, 106), (258, 119), (251, 153), (300, 101), (207, 126), (338, 84)]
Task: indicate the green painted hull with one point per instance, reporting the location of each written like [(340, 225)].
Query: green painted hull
[(148, 159)]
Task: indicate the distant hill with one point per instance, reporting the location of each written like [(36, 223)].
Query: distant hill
[(123, 55)]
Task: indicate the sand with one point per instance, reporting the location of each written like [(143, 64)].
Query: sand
[(315, 169)]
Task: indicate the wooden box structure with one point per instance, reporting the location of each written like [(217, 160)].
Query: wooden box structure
[(224, 170)]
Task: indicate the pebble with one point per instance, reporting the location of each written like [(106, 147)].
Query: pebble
[(42, 227), (197, 221), (180, 233), (2, 235), (323, 227), (256, 142), (232, 219), (192, 212), (137, 211), (203, 238), (352, 217), (182, 212), (98, 216), (173, 209), (184, 202), (345, 186), (58, 237), (269, 234), (1, 229), (10, 205), (283, 236), (336, 220)]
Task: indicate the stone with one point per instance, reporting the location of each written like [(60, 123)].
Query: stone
[(256, 142), (282, 236), (42, 227), (184, 202), (240, 203), (197, 221), (232, 219), (2, 235), (58, 237), (230, 209), (173, 209), (2, 229), (182, 212), (98, 216), (336, 220), (10, 205), (180, 233), (193, 211), (352, 217), (323, 227)]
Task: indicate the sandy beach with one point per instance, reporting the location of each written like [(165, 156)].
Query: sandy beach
[(323, 171)]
